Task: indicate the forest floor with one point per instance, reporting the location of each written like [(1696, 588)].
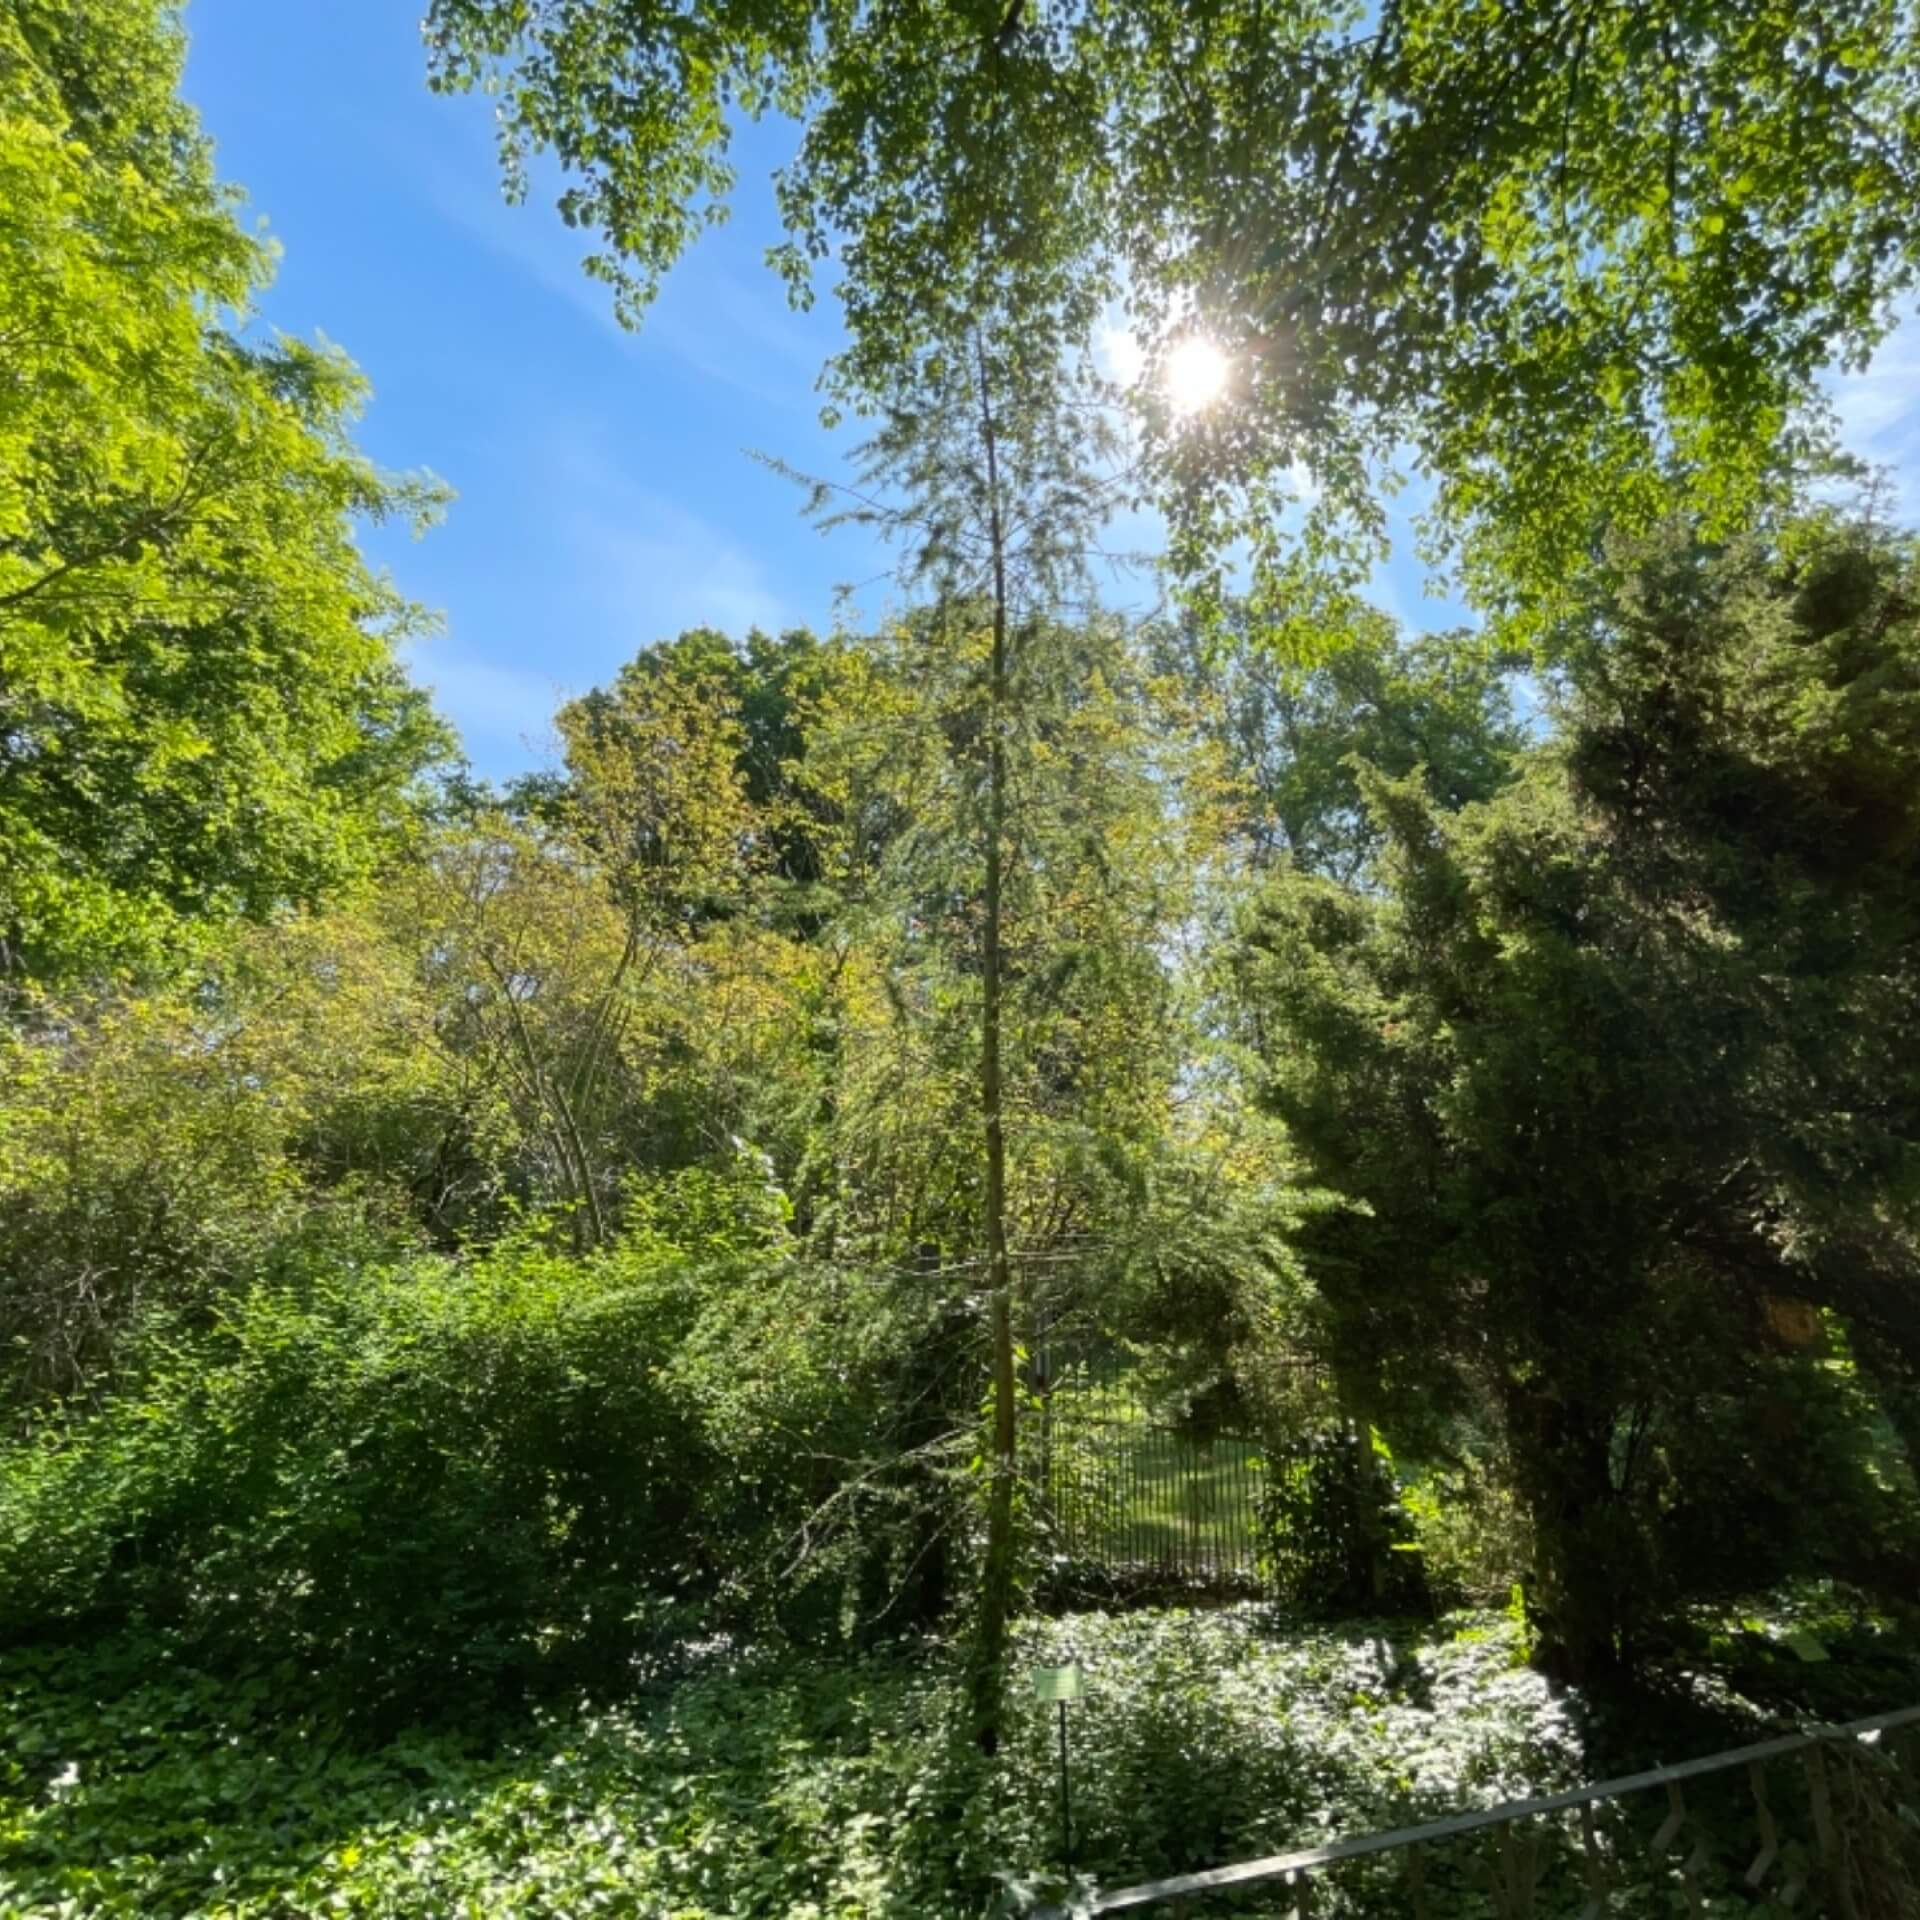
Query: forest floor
[(798, 1788)]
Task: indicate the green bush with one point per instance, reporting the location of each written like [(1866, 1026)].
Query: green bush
[(139, 1172), (163, 1145), (1475, 1544), (1334, 1536), (409, 1478), (1825, 1487), (441, 1477)]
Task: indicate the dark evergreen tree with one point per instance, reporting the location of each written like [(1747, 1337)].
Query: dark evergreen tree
[(1617, 1070)]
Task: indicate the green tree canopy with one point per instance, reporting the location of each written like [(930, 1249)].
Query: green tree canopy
[(201, 710), (1571, 255), (1293, 739), (1605, 1069)]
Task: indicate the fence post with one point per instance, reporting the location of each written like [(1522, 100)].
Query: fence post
[(1763, 1818), (1595, 1864), (1417, 1880)]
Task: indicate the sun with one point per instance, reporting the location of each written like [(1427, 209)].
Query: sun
[(1195, 374)]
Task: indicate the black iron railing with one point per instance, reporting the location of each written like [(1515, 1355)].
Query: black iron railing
[(1127, 1485)]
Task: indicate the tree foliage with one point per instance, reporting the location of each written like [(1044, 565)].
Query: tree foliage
[(1570, 256), (1292, 739), (201, 711), (597, 1234), (1596, 1069)]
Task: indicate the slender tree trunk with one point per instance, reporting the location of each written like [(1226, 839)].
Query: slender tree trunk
[(590, 1229), (996, 1590), (1585, 1556)]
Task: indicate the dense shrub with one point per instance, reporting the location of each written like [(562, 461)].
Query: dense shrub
[(162, 1146), (1471, 1530), (1824, 1483), (1334, 1535), (139, 1172), (441, 1476)]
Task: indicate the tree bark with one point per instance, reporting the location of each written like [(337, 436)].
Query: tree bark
[(996, 1587), (1584, 1550)]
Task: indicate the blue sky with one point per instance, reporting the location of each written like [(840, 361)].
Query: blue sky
[(606, 497)]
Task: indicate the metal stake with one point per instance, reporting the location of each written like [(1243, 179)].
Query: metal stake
[(1066, 1800)]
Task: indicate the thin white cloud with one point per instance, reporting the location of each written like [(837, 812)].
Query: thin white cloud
[(709, 319), (1117, 352), (667, 570), (503, 713), (650, 564), (1878, 410)]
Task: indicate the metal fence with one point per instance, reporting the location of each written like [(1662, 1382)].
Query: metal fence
[(1131, 1483), (1557, 1855)]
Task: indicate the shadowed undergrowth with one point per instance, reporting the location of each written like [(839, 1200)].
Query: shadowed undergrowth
[(754, 1784)]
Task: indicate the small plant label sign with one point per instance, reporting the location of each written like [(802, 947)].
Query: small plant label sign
[(1059, 1683)]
